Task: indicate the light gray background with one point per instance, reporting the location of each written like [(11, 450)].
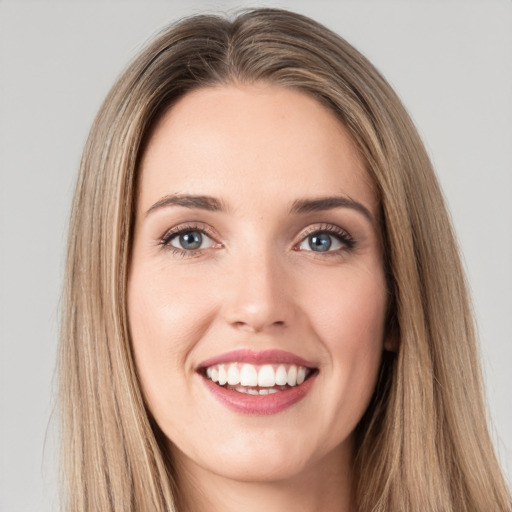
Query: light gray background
[(451, 62)]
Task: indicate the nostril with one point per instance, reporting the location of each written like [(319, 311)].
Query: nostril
[(257, 326)]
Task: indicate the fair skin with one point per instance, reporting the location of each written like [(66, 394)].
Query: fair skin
[(263, 267)]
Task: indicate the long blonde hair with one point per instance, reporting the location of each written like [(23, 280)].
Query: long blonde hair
[(423, 443)]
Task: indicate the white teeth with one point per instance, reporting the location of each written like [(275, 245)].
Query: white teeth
[(301, 375), (233, 375), (223, 376), (292, 375), (266, 376), (281, 376), (248, 375), (249, 391)]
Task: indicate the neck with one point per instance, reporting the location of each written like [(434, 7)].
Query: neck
[(325, 485)]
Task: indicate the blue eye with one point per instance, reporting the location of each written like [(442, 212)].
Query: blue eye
[(191, 240), (321, 242), (326, 241)]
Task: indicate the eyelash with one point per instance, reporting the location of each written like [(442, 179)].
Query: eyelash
[(330, 229), (179, 230), (343, 237)]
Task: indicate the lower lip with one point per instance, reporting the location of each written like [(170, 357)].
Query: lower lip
[(259, 404)]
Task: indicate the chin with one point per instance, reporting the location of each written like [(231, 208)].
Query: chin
[(244, 468), (261, 457)]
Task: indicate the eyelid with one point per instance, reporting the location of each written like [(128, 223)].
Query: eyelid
[(204, 239), (331, 229), (175, 231), (343, 236)]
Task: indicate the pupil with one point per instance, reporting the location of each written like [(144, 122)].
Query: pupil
[(191, 240), (320, 243)]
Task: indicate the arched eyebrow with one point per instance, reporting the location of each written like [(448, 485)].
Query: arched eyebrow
[(329, 203), (208, 203), (300, 206)]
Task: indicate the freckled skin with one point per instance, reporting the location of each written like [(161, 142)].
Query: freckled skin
[(256, 283)]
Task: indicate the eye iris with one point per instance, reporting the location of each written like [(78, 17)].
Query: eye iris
[(320, 243), (191, 240)]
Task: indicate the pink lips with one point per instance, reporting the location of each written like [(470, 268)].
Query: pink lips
[(258, 404), (257, 357)]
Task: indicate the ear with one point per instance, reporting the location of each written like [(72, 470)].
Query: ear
[(392, 336), (391, 341)]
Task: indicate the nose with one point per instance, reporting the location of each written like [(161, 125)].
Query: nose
[(258, 296)]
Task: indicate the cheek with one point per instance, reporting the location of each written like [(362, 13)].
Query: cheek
[(167, 316), (348, 317), (348, 308), (164, 310)]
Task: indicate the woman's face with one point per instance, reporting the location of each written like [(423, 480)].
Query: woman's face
[(256, 261)]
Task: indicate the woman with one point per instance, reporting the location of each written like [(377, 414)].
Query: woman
[(264, 302)]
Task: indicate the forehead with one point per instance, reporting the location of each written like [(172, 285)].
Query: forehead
[(252, 142)]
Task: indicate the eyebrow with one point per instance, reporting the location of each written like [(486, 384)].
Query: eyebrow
[(208, 203), (329, 203), (300, 206)]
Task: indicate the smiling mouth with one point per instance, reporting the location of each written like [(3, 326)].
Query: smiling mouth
[(251, 379)]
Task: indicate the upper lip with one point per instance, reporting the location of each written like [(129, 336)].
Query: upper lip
[(257, 357)]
